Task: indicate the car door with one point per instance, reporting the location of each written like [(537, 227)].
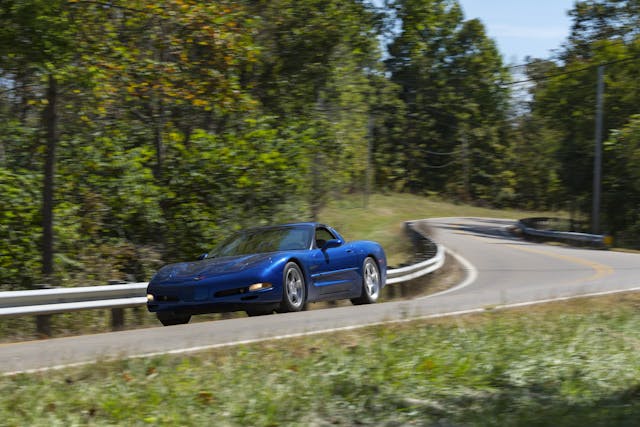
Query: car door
[(334, 267)]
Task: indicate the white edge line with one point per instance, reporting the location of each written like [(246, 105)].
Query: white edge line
[(472, 275), (325, 331)]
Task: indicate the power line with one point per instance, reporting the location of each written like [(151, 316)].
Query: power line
[(440, 166), (566, 73), (526, 64), (437, 153), (548, 77)]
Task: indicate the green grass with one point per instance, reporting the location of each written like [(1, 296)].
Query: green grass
[(383, 218), (564, 364)]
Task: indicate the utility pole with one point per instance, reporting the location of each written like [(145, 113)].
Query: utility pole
[(597, 162)]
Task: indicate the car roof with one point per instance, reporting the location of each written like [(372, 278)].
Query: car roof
[(288, 225), (304, 225)]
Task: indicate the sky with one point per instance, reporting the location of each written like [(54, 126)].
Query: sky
[(523, 28)]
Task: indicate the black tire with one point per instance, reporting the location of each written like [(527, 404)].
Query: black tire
[(252, 312), (370, 283), (170, 319), (294, 289)]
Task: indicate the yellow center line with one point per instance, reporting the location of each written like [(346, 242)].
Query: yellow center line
[(600, 270)]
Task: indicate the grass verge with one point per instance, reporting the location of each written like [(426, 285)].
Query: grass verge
[(567, 363)]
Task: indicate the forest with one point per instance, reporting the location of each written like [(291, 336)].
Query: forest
[(135, 133)]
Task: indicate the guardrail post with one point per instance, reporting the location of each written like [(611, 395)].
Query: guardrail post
[(117, 314), (117, 319), (43, 325), (43, 321)]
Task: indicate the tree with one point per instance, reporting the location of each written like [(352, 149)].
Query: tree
[(622, 189), (603, 33), (314, 73), (597, 20), (35, 36), (451, 74)]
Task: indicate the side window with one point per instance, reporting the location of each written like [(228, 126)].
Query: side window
[(322, 235)]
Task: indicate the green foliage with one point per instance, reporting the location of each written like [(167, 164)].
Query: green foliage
[(19, 227), (622, 190), (564, 109), (598, 20), (450, 74), (176, 121), (222, 182), (34, 32)]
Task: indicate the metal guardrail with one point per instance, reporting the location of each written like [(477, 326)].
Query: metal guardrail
[(530, 227), (62, 300), (404, 274), (432, 254), (43, 302)]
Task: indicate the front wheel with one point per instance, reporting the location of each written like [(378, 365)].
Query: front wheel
[(252, 312), (370, 283), (294, 292), (170, 319)]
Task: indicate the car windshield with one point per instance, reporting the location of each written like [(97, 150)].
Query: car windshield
[(265, 240)]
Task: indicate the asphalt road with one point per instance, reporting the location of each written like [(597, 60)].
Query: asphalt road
[(501, 271)]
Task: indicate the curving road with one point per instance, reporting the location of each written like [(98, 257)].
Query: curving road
[(501, 271)]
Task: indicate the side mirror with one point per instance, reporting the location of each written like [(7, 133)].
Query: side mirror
[(203, 256), (333, 243)]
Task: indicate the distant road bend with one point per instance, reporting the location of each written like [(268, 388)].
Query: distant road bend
[(501, 270)]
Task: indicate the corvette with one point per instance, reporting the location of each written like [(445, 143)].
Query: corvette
[(261, 270)]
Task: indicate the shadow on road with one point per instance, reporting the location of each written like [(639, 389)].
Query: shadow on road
[(487, 228)]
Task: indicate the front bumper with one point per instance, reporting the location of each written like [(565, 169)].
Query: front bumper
[(202, 298)]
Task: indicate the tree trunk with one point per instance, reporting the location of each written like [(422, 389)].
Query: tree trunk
[(158, 139), (49, 122)]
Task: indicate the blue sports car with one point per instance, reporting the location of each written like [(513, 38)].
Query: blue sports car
[(262, 270)]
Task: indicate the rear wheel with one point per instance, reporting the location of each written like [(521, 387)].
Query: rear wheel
[(170, 319), (370, 283), (294, 292)]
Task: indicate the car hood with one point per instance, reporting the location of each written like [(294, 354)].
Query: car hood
[(197, 270)]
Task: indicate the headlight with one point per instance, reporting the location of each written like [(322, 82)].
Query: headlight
[(259, 286), (150, 297)]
